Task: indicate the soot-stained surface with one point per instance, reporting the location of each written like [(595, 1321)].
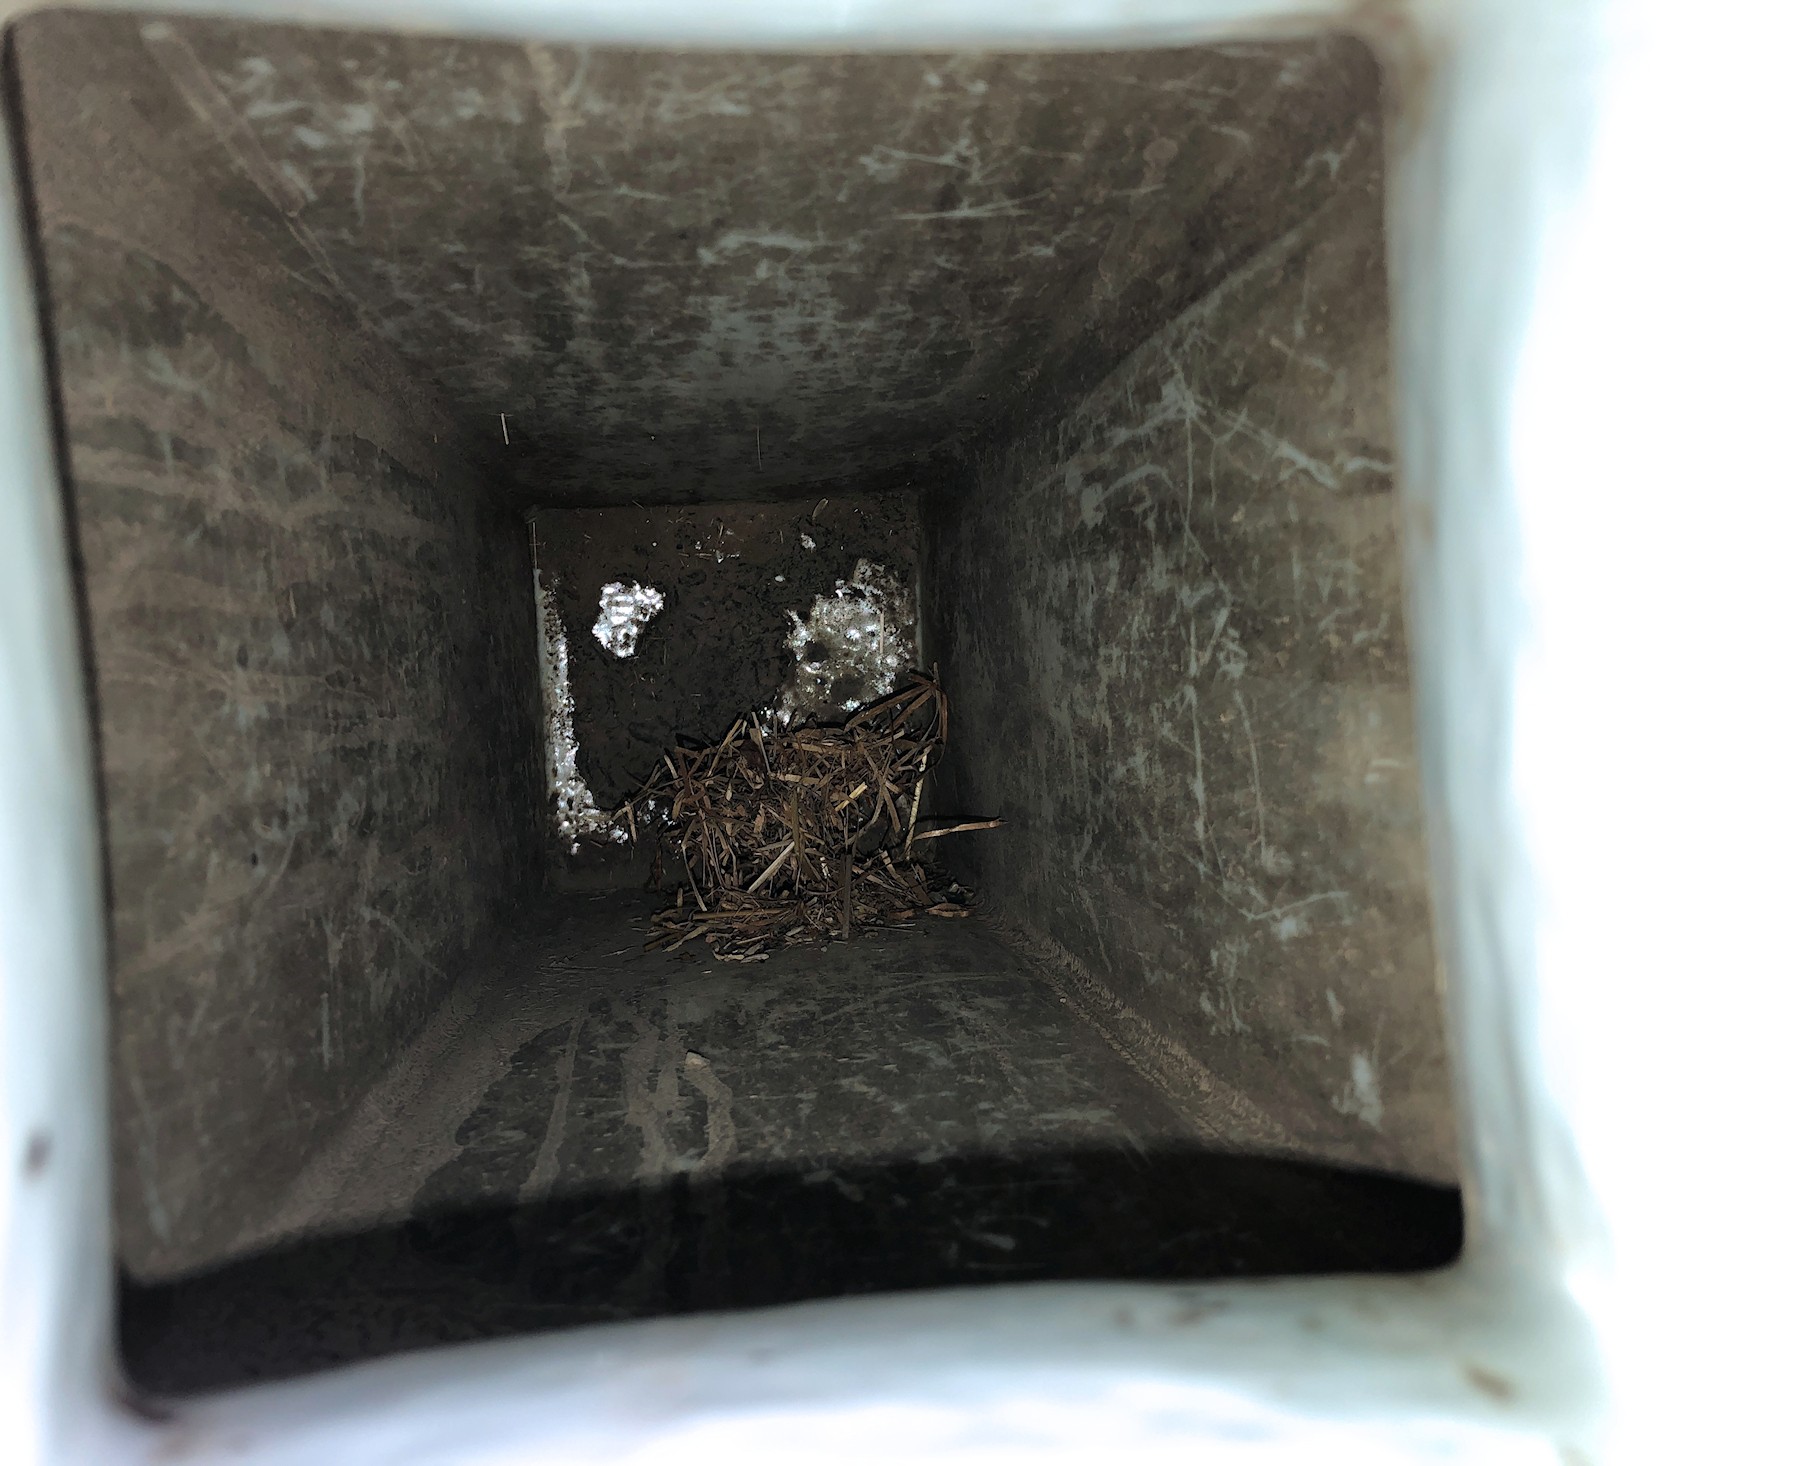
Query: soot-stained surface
[(658, 263), (310, 640), (607, 1133), (731, 577), (1179, 620)]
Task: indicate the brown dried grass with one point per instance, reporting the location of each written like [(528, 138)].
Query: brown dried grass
[(798, 835)]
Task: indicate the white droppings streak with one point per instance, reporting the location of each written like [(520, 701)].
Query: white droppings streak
[(851, 648), (571, 801), (626, 608)]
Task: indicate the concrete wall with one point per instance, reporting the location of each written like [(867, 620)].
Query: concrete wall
[(312, 646), (1171, 623)]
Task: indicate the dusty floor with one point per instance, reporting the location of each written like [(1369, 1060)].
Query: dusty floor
[(590, 1132)]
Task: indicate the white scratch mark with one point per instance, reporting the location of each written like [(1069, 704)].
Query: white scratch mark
[(648, 1105), (995, 209), (721, 1127), (381, 918), (145, 1146), (543, 1168), (1361, 1097), (1262, 836), (1277, 912), (561, 111)]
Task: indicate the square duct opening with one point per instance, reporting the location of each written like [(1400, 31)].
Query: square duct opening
[(361, 342)]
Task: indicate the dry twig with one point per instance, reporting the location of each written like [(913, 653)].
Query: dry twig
[(789, 836)]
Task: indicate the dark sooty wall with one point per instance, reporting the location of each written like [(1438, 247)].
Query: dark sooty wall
[(691, 276), (1117, 321), (1175, 617), (312, 646)]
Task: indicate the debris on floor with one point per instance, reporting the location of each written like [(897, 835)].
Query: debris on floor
[(786, 835)]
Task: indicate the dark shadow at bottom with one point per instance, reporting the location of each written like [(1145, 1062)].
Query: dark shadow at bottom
[(743, 1240)]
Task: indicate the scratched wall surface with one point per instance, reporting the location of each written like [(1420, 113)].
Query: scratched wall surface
[(312, 644), (691, 276), (1172, 626), (1123, 318)]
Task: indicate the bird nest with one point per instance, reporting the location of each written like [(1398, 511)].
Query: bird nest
[(797, 835)]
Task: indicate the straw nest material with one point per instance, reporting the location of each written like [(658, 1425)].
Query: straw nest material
[(782, 836)]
